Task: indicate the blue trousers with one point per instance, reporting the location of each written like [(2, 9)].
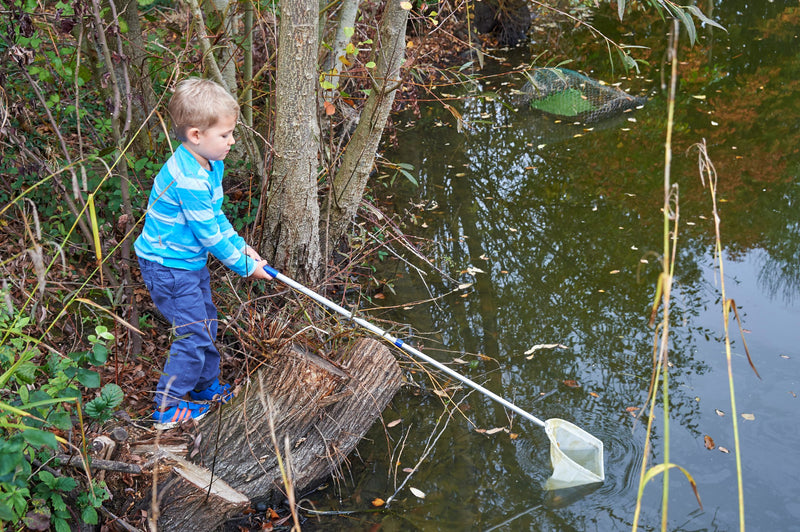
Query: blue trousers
[(184, 298)]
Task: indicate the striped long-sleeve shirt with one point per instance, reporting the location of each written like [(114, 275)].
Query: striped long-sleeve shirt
[(185, 222)]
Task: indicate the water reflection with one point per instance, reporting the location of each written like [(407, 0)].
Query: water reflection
[(565, 224)]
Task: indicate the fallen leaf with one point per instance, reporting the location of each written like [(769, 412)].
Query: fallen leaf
[(406, 5), (378, 502), (394, 423), (723, 449), (571, 383), (494, 430), (408, 470), (719, 412), (542, 346), (272, 514), (464, 286), (613, 272), (632, 409), (749, 417), (417, 493), (460, 361), (709, 442), (513, 435), (785, 356), (593, 394), (379, 296)]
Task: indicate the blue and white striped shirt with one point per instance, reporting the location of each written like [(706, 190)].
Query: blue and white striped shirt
[(185, 222)]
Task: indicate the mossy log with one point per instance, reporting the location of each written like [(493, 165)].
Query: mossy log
[(317, 408)]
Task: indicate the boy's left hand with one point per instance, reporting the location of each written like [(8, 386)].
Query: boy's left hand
[(260, 273), (252, 253)]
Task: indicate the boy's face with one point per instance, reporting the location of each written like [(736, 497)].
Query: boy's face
[(211, 144)]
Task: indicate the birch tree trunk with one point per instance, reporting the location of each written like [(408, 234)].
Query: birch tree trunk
[(351, 178), (292, 213)]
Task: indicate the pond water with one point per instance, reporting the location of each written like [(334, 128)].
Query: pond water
[(564, 225)]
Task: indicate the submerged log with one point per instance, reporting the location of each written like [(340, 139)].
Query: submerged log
[(318, 408)]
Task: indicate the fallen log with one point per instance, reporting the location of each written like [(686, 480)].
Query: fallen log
[(322, 407)]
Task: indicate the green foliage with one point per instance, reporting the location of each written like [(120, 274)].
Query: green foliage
[(685, 14), (38, 394), (102, 407)]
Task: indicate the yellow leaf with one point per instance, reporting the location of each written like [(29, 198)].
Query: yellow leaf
[(378, 502), (406, 5), (749, 417)]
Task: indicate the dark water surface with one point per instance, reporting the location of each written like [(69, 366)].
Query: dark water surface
[(568, 231)]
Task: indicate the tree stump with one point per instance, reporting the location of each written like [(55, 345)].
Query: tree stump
[(317, 408)]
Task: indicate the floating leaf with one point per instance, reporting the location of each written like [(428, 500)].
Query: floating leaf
[(593, 394), (417, 493), (513, 435), (749, 417), (408, 470), (495, 430), (723, 449), (571, 383), (464, 286), (394, 423), (719, 412), (709, 442), (377, 501), (542, 346), (613, 272)]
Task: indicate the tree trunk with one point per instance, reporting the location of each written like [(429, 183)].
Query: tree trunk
[(292, 213), (351, 178), (322, 406)]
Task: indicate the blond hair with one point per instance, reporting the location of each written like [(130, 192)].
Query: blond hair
[(199, 103)]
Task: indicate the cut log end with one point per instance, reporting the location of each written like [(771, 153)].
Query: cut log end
[(318, 408)]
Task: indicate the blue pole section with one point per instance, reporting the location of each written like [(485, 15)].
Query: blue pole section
[(399, 343)]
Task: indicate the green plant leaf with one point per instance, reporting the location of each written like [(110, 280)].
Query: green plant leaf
[(89, 378), (38, 438), (6, 513), (89, 516)]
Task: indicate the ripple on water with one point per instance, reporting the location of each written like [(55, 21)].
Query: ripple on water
[(623, 450)]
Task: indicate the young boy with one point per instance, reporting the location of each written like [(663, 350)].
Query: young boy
[(184, 223)]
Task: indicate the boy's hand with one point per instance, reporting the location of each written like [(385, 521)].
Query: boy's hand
[(252, 253), (260, 273)]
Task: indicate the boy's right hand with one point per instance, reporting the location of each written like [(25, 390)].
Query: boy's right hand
[(260, 273)]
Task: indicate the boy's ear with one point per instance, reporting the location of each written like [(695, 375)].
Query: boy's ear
[(193, 135)]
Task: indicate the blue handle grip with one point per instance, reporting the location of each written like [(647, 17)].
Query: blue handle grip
[(271, 271)]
